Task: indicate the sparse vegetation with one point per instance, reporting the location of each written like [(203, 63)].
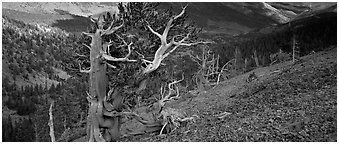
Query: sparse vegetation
[(243, 88), (296, 104)]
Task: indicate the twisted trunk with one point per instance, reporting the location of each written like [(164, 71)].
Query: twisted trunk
[(102, 123), (97, 93)]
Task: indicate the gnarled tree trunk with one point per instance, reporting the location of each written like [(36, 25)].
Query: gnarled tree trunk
[(97, 89), (103, 123), (98, 83)]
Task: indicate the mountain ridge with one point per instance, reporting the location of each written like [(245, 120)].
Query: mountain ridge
[(226, 18)]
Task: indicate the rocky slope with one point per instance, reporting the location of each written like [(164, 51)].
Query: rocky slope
[(286, 103)]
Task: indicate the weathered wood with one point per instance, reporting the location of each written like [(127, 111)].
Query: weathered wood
[(50, 122), (161, 54), (102, 122), (256, 58), (98, 84)]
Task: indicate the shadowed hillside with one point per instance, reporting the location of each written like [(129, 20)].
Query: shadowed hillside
[(216, 18)]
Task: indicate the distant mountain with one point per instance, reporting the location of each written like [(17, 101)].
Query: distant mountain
[(69, 16), (233, 18), (317, 14), (75, 8), (217, 18)]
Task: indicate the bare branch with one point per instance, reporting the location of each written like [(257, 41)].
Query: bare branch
[(139, 54), (175, 82), (192, 118), (160, 53), (182, 44), (121, 39), (129, 50), (88, 34), (92, 19), (110, 58), (80, 55), (146, 61), (177, 92), (111, 30), (84, 71), (107, 45), (158, 57), (227, 63), (111, 66), (162, 91), (154, 32), (169, 24), (222, 70), (182, 12), (87, 46), (172, 50), (125, 43), (163, 127), (195, 59), (170, 92)]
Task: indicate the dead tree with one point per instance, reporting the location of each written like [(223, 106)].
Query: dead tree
[(170, 118), (255, 57), (161, 53), (50, 122), (208, 68), (99, 55), (223, 68), (171, 91), (104, 118), (166, 118), (168, 115)]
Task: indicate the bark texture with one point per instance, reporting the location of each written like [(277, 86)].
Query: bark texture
[(100, 127), (50, 123)]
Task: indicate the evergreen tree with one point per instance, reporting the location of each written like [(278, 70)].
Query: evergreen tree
[(52, 88)]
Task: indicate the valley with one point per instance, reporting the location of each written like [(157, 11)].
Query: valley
[(223, 72)]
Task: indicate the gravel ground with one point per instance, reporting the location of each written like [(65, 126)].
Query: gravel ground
[(287, 103)]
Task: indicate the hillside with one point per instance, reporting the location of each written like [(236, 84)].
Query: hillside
[(216, 18), (31, 51), (261, 97), (35, 59), (285, 103), (313, 31)]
